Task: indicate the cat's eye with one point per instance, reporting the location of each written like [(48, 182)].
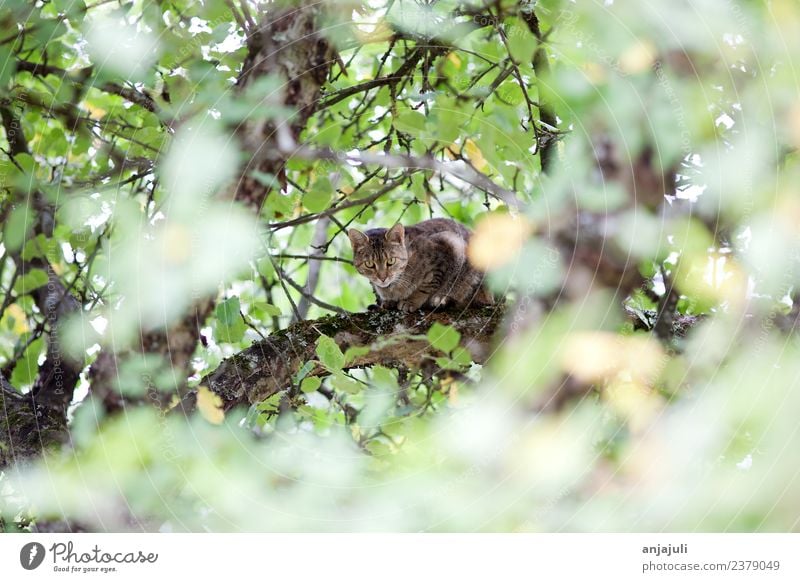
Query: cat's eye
[(391, 261), (369, 265)]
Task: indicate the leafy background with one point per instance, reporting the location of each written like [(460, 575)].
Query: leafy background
[(173, 193)]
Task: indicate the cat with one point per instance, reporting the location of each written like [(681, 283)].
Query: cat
[(419, 266)]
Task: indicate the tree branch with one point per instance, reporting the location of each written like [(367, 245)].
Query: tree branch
[(314, 267), (394, 338), (81, 75), (541, 66), (460, 169)]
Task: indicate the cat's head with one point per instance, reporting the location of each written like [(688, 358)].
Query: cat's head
[(379, 254)]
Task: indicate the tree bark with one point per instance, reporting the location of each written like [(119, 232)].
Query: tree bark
[(541, 66), (287, 44), (27, 428)]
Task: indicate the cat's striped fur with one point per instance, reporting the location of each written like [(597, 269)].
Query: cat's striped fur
[(419, 266)]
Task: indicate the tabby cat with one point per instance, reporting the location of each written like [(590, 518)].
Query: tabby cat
[(424, 265)]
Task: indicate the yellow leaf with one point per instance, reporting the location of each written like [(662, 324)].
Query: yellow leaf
[(638, 57), (595, 72), (634, 402), (20, 321), (453, 58), (379, 32), (592, 356), (497, 240), (788, 207), (475, 155), (177, 243), (713, 277), (210, 405), (94, 112)]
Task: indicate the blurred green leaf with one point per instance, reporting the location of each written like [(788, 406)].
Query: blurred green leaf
[(443, 337), (310, 384), (329, 353), (27, 367), (30, 281), (230, 327)]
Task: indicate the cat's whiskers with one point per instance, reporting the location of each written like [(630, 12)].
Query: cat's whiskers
[(404, 282)]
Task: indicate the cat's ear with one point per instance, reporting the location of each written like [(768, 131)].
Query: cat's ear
[(396, 234), (357, 238)]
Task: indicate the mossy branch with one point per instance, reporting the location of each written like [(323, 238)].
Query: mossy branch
[(267, 367)]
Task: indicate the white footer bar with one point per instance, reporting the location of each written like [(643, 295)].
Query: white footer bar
[(402, 557)]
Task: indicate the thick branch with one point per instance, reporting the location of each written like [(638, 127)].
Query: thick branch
[(286, 43), (395, 338), (26, 427)]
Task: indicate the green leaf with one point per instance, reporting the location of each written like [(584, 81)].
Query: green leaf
[(447, 364), (265, 268), (269, 309), (230, 326), (303, 371), (19, 223), (28, 365), (329, 353), (521, 43), (410, 122), (319, 197), (443, 337), (462, 356), (7, 65), (378, 448), (384, 378), (265, 179), (228, 311), (354, 352), (445, 126), (31, 280), (342, 382), (270, 404), (310, 384), (510, 92), (38, 247), (54, 144), (67, 6), (280, 204)]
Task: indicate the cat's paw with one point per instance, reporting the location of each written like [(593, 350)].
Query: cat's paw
[(408, 306), (440, 301)]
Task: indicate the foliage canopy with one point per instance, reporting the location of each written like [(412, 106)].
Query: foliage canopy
[(176, 183)]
